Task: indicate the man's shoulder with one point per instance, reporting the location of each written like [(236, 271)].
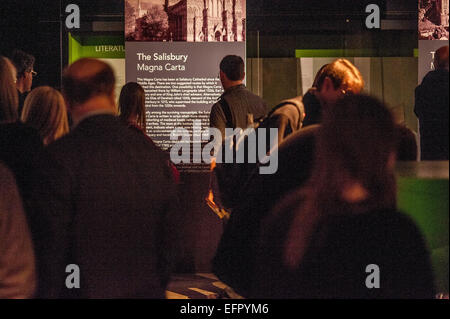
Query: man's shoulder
[(435, 78), (246, 91), (240, 90), (101, 129), (303, 136), (242, 97), (290, 105)]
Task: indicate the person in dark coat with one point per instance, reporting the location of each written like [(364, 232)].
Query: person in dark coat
[(17, 261), (287, 116), (103, 200), (132, 114), (236, 110), (431, 108), (20, 145), (340, 235)]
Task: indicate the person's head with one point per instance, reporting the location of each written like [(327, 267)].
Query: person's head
[(318, 75), (24, 64), (353, 169), (232, 71), (132, 104), (45, 110), (88, 85), (357, 142), (337, 79), (8, 93), (441, 58)]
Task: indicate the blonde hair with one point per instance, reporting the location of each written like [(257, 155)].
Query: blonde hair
[(45, 110), (9, 99)]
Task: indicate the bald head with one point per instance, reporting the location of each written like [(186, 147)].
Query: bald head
[(441, 58), (85, 79)]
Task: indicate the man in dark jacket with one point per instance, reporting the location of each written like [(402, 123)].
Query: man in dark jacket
[(236, 102), (432, 109), (103, 202), (236, 109)]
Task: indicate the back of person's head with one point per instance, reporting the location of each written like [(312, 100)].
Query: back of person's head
[(23, 62), (233, 67), (355, 149), (9, 99), (132, 104), (85, 79), (356, 140), (318, 76), (343, 74), (45, 110), (441, 58)]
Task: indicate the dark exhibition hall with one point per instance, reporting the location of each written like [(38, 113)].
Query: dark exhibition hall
[(220, 157)]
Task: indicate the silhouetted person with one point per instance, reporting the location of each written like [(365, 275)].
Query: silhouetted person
[(237, 108), (132, 106), (132, 114), (17, 262), (24, 64), (103, 200), (322, 239), (431, 107), (287, 117), (20, 144)]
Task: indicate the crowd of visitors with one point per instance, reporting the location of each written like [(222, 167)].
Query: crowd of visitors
[(81, 183)]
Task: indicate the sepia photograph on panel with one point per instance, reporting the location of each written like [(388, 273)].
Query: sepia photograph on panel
[(433, 19), (185, 20)]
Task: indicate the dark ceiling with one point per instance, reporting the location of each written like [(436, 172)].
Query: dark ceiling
[(281, 25)]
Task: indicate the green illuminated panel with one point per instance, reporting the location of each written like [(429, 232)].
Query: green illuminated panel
[(425, 200), (104, 47)]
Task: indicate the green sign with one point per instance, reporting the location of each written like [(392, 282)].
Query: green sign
[(95, 46)]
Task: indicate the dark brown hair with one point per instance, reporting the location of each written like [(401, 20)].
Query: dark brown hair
[(233, 66), (132, 104), (355, 142), (23, 62), (9, 99)]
